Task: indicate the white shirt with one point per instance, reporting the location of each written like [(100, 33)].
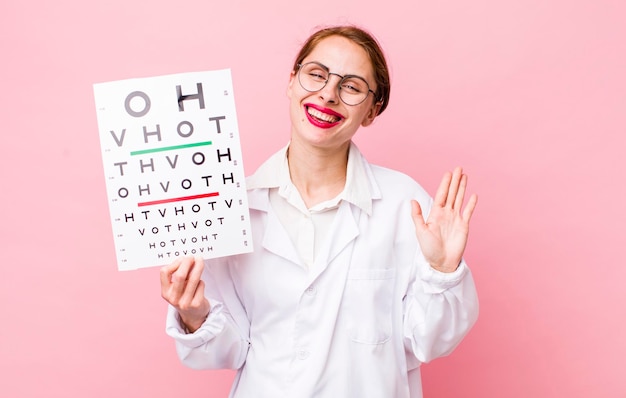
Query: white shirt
[(354, 318), (308, 227)]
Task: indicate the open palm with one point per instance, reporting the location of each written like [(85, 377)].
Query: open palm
[(443, 235)]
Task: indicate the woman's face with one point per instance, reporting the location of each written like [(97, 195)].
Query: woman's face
[(321, 118)]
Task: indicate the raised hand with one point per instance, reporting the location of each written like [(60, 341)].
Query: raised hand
[(444, 235), (182, 287)]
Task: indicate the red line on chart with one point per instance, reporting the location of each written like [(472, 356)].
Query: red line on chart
[(183, 198)]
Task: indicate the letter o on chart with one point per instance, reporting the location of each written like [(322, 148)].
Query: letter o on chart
[(129, 101), (122, 192), (198, 158), (189, 128)]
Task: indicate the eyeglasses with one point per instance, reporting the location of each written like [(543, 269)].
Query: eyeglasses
[(314, 76)]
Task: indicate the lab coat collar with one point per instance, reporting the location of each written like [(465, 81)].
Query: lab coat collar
[(361, 187)]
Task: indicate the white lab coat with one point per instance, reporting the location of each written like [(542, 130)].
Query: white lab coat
[(357, 324)]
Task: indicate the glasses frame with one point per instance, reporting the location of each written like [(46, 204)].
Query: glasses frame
[(342, 79)]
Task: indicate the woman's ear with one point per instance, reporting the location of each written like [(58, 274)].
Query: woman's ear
[(371, 114), (292, 78)]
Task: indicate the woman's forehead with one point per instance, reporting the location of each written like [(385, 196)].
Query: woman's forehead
[(341, 55)]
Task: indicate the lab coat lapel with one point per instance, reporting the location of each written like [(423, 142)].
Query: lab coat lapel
[(275, 238)]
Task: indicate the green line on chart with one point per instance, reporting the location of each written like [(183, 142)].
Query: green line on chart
[(170, 148)]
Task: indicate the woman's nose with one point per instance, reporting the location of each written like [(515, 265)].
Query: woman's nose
[(330, 92)]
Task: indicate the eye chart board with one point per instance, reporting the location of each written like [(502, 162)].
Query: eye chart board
[(173, 168)]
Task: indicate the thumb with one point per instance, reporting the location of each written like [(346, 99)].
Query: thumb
[(418, 217)]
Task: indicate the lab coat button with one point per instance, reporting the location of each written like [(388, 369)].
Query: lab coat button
[(310, 290), (302, 354)]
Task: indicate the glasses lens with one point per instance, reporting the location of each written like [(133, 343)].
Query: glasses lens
[(313, 77), (353, 90)]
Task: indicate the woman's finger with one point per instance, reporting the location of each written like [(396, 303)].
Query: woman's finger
[(469, 208), (194, 276), (442, 192), (460, 194), (453, 187), (179, 279)]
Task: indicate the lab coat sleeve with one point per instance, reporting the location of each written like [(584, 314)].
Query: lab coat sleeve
[(439, 310), (221, 342)]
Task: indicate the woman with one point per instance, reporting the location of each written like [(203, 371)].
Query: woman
[(348, 289)]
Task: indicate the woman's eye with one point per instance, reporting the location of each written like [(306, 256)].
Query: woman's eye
[(317, 76), (350, 88)]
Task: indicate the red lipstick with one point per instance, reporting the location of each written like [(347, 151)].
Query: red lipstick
[(322, 117)]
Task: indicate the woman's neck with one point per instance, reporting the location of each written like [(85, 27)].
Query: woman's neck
[(318, 174)]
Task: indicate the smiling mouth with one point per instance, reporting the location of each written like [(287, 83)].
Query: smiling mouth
[(321, 116)]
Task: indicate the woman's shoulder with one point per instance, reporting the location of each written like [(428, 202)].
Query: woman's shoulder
[(390, 180)]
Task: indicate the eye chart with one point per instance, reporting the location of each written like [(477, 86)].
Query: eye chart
[(173, 168)]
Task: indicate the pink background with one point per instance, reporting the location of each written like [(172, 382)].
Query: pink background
[(528, 95)]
